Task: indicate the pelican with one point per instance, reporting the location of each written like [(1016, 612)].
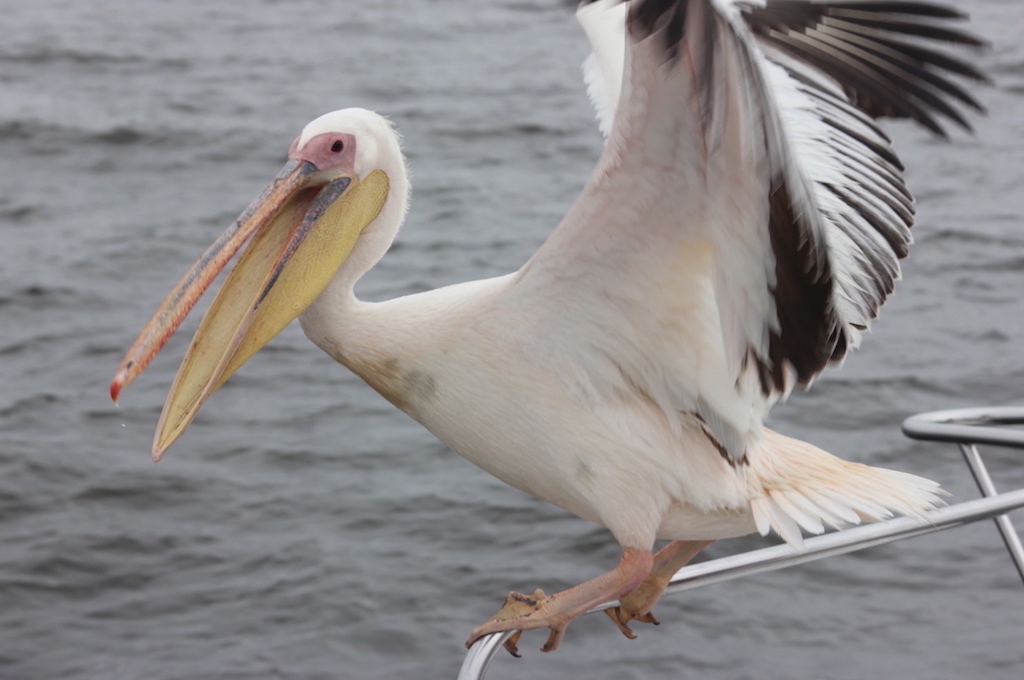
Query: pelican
[(742, 228)]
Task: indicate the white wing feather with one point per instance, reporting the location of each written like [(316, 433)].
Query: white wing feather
[(604, 23)]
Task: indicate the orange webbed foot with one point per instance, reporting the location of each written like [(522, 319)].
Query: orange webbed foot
[(526, 612), (637, 604)]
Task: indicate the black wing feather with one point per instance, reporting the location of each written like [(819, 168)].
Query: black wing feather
[(869, 48)]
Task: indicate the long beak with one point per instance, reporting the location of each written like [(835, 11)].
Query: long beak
[(302, 230)]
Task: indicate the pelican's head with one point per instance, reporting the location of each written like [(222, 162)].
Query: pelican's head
[(301, 230)]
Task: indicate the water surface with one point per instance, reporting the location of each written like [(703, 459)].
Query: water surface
[(303, 528)]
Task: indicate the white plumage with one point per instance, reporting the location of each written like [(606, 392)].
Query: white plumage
[(740, 231)]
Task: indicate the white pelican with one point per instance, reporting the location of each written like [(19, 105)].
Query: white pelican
[(742, 227)]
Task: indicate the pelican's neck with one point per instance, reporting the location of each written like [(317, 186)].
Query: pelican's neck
[(355, 334), (335, 322), (394, 343)]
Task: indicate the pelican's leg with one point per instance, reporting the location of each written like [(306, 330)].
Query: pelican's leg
[(525, 612), (637, 604)]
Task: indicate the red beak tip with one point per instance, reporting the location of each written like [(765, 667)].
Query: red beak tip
[(115, 390)]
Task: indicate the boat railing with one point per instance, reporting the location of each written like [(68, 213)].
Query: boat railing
[(968, 428)]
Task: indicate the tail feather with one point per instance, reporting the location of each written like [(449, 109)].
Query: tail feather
[(829, 513), (843, 515), (811, 522), (797, 488)]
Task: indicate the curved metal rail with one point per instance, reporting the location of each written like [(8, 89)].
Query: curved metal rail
[(969, 427), (965, 427)]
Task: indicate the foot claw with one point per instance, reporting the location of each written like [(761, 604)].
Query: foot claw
[(512, 644), (554, 639), (621, 618)]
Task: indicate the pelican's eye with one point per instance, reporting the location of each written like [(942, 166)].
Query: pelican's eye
[(338, 146)]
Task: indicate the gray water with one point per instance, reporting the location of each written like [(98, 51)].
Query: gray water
[(303, 528)]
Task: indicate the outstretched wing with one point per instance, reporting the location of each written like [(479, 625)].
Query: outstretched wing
[(746, 218)]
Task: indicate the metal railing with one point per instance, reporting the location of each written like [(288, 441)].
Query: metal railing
[(966, 427)]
